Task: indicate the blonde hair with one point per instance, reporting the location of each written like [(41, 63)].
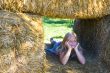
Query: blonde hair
[(66, 38)]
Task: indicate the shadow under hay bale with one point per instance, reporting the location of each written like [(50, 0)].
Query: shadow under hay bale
[(94, 36), (21, 43)]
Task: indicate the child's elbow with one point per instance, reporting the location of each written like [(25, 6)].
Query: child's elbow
[(83, 62), (63, 62)]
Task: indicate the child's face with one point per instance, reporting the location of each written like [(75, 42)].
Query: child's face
[(72, 40)]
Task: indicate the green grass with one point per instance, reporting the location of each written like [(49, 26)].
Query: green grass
[(56, 28)]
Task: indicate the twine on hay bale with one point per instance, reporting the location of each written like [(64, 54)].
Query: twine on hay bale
[(21, 43)]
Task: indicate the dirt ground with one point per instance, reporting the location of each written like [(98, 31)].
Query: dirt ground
[(92, 65)]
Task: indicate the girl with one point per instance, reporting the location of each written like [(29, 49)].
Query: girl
[(68, 48)]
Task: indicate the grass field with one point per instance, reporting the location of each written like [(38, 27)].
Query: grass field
[(56, 28)]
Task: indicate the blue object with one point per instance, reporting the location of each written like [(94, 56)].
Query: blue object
[(54, 49)]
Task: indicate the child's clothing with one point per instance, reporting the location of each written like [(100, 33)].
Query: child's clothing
[(54, 49)]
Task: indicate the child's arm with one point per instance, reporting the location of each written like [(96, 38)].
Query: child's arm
[(79, 54), (64, 55)]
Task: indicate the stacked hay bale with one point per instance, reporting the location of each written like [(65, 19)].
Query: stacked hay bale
[(105, 49), (60, 8), (94, 36), (21, 43)]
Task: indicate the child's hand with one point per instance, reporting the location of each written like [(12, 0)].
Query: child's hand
[(68, 45), (76, 46)]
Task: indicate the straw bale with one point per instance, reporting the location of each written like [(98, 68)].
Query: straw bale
[(21, 43), (60, 8), (94, 36)]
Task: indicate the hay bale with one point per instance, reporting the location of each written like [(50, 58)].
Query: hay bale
[(60, 8), (94, 36), (21, 43), (105, 50)]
